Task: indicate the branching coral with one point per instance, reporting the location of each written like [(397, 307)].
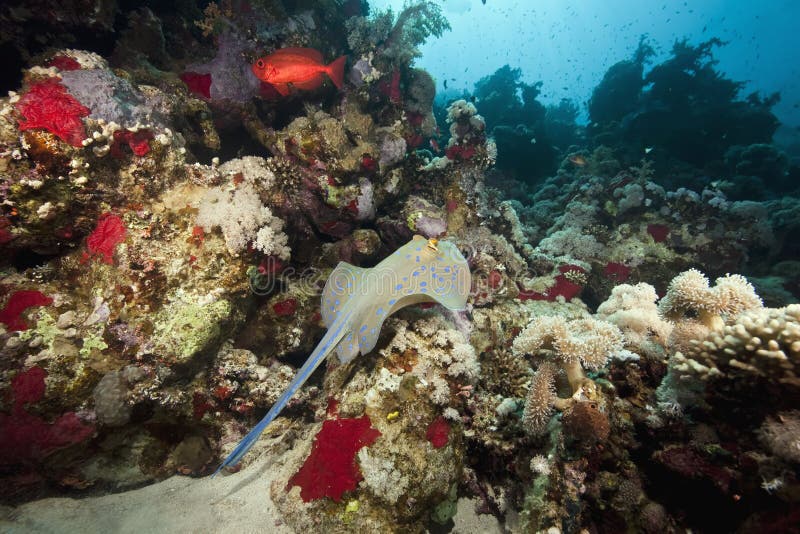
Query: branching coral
[(443, 352), (760, 342), (573, 344)]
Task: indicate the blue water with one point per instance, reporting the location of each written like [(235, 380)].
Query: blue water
[(570, 45)]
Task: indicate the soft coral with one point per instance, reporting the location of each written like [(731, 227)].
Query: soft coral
[(331, 469), (18, 302), (25, 437), (48, 105)]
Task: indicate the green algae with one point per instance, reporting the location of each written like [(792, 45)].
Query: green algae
[(184, 330)]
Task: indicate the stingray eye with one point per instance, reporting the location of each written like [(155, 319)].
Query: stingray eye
[(260, 63)]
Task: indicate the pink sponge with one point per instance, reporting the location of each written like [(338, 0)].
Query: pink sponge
[(48, 105)]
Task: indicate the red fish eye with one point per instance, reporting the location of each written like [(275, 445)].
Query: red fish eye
[(260, 63)]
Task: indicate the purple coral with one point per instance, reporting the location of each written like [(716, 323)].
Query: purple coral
[(112, 98), (231, 76)]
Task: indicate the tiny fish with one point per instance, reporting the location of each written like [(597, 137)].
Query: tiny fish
[(298, 68), (648, 149), (577, 160)]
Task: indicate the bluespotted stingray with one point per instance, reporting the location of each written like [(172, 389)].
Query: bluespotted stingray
[(356, 302)]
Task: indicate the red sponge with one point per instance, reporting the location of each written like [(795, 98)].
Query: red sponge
[(11, 314), (48, 105), (331, 468)]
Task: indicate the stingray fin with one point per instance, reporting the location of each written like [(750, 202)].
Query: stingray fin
[(341, 286)]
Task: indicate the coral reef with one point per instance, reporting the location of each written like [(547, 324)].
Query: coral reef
[(168, 222)]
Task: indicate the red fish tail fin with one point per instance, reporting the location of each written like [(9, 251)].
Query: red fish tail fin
[(335, 71)]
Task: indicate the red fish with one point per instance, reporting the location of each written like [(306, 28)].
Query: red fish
[(299, 68)]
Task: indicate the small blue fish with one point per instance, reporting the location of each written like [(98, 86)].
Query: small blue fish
[(356, 302)]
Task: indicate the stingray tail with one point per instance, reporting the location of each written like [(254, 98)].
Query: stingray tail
[(335, 70), (328, 343)]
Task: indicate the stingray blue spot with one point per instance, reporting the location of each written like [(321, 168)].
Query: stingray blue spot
[(363, 339), (417, 259), (422, 268), (336, 302), (399, 286), (423, 290), (419, 248), (415, 273), (333, 308), (392, 301), (408, 256), (363, 327), (351, 346), (433, 269), (350, 337), (423, 284), (379, 311), (447, 269), (405, 279), (372, 331)]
